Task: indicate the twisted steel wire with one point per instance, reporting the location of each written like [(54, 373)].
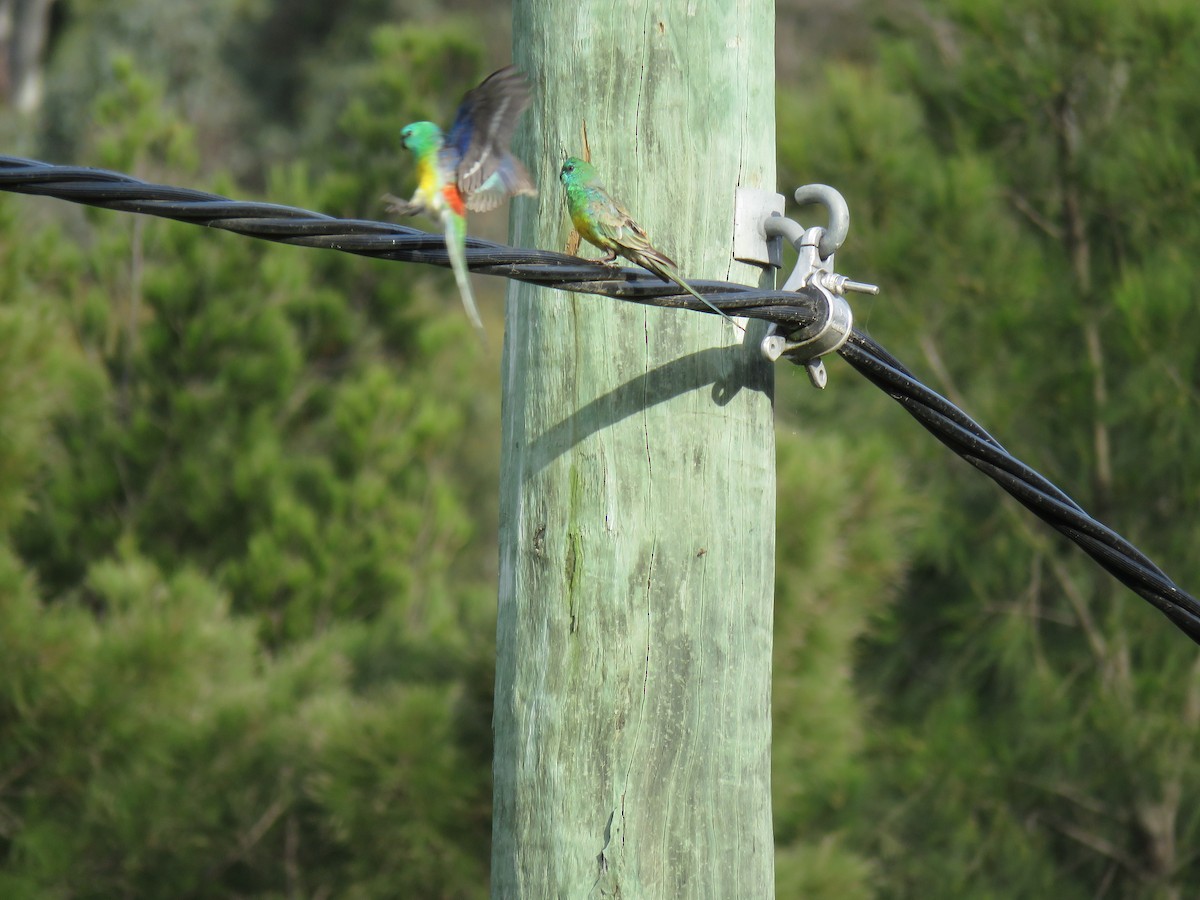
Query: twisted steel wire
[(382, 240), (788, 309)]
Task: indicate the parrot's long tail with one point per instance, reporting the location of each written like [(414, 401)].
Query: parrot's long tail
[(456, 246), (664, 267)]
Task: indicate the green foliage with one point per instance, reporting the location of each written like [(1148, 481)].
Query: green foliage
[(839, 563), (243, 564), (133, 125), (159, 753), (1024, 183), (177, 46)]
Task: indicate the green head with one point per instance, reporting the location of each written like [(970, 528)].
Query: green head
[(421, 138), (575, 172)]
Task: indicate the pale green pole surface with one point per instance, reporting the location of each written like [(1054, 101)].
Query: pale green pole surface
[(638, 485)]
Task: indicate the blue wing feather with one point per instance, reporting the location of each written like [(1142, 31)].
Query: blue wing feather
[(477, 145), (459, 138)]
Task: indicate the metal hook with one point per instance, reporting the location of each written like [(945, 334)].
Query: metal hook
[(839, 214), (814, 268), (756, 213)]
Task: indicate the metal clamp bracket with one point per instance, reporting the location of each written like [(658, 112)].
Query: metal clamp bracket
[(814, 269)]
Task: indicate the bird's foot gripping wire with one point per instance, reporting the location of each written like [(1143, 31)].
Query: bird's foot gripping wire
[(814, 270)]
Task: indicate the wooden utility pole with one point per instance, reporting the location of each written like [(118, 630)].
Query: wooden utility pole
[(637, 510)]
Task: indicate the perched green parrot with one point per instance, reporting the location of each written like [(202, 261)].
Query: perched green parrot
[(602, 221), (471, 168)]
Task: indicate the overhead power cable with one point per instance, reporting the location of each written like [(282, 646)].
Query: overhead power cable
[(788, 310)]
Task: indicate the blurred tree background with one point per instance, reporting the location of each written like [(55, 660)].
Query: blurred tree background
[(247, 492)]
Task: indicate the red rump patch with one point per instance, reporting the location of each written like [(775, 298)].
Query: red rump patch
[(454, 198)]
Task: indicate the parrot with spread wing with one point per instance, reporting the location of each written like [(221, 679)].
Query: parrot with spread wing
[(470, 168), (603, 222)]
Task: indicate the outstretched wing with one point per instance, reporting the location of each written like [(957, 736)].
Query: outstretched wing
[(478, 142), (509, 179)]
